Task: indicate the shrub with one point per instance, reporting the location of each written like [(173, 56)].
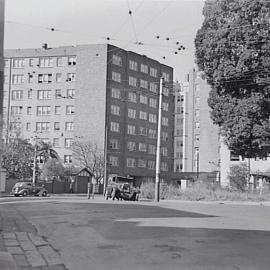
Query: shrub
[(238, 176)]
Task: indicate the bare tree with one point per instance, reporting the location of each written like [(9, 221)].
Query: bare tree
[(89, 156)]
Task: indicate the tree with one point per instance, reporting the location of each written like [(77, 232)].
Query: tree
[(233, 51), (53, 168), (89, 156), (238, 176), (17, 158)]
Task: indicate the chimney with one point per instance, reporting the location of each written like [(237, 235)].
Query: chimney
[(45, 46)]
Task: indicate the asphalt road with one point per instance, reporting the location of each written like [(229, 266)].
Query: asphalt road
[(97, 235)]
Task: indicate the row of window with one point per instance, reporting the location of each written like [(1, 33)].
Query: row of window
[(133, 65), (133, 130), (42, 110), (42, 78), (132, 81), (134, 98), (41, 126), (142, 147), (138, 163), (42, 94), (43, 62)]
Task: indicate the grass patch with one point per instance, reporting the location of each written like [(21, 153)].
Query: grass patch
[(202, 192)]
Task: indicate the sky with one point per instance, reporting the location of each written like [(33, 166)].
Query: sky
[(153, 28)]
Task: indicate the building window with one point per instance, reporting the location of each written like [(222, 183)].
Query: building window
[(197, 138), (18, 63), (57, 110), (115, 110), (30, 78), (131, 146), (44, 78), (116, 76), (143, 99), (152, 118), (197, 125), (45, 62), (116, 93), (152, 102), (28, 126), (144, 68), (30, 93), (197, 113), (15, 126), (133, 65), (17, 94), (131, 130), (117, 60), (16, 110), (143, 115), (29, 110), (44, 94), (115, 127), (71, 77), (132, 113), (58, 77), (141, 163), (56, 125), (68, 142), (56, 142), (197, 100), (164, 136), (153, 87), (197, 87), (70, 93), (152, 149), (151, 165), (166, 76), (114, 143), (152, 133), (58, 93), (131, 162), (31, 62), (132, 81), (166, 91), (43, 110), (72, 60), (164, 151), (67, 159), (69, 126), (114, 161), (70, 109), (165, 106), (59, 61), (42, 126), (132, 97), (165, 121), (143, 147), (153, 72), (143, 131), (144, 84), (17, 79), (234, 156), (164, 166)]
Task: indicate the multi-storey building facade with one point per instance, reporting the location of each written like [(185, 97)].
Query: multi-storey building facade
[(85, 92), (201, 136)]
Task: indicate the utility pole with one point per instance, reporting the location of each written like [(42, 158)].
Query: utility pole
[(105, 161), (35, 163), (157, 185)]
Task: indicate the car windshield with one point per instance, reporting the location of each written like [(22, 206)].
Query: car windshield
[(19, 184)]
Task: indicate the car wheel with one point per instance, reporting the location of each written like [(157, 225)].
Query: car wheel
[(24, 193), (44, 193), (16, 195)]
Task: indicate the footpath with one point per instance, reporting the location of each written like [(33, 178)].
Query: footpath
[(21, 247)]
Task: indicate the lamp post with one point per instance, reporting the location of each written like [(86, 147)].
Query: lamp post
[(157, 182)]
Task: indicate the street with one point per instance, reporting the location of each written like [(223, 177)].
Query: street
[(99, 234)]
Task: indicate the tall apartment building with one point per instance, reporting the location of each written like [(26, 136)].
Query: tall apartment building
[(201, 136), (79, 93)]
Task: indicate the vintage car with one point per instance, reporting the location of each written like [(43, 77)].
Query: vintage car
[(123, 191), (28, 188)]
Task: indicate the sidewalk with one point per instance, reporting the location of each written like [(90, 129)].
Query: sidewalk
[(22, 248)]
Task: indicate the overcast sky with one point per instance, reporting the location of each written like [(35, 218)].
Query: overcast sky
[(29, 23)]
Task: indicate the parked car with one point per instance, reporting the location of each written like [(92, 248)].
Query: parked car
[(27, 188), (121, 192)]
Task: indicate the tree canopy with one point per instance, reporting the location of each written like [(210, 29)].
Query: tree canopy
[(233, 51)]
